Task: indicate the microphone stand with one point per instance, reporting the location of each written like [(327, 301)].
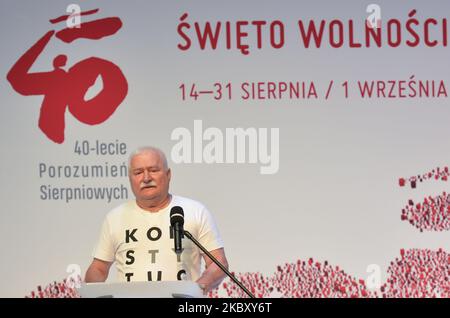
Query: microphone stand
[(189, 236)]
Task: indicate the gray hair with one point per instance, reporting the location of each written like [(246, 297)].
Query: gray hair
[(147, 149)]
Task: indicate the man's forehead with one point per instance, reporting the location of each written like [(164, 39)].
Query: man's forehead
[(146, 159)]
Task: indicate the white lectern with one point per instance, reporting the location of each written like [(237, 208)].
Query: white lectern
[(160, 289)]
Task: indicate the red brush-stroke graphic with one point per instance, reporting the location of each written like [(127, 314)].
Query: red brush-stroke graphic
[(93, 30), (62, 89)]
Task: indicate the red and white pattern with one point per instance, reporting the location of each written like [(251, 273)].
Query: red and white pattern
[(417, 273), (436, 174), (433, 214), (64, 289)]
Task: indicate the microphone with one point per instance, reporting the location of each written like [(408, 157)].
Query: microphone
[(177, 222)]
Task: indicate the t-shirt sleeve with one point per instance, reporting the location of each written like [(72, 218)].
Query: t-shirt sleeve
[(209, 235), (104, 250)]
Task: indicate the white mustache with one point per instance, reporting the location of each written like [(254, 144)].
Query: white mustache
[(149, 184)]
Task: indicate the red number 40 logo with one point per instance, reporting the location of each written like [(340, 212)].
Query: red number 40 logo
[(67, 89)]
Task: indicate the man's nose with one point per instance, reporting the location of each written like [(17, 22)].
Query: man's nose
[(147, 176)]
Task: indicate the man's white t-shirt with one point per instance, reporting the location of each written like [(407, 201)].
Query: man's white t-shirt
[(140, 241)]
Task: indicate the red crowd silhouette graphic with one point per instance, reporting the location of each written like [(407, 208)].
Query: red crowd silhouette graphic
[(63, 289), (433, 213), (436, 174), (67, 89), (417, 273)]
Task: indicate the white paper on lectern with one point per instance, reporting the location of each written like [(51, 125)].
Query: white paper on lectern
[(159, 289)]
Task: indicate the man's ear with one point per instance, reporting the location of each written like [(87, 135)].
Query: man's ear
[(169, 173)]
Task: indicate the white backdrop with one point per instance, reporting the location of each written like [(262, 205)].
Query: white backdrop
[(335, 194)]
